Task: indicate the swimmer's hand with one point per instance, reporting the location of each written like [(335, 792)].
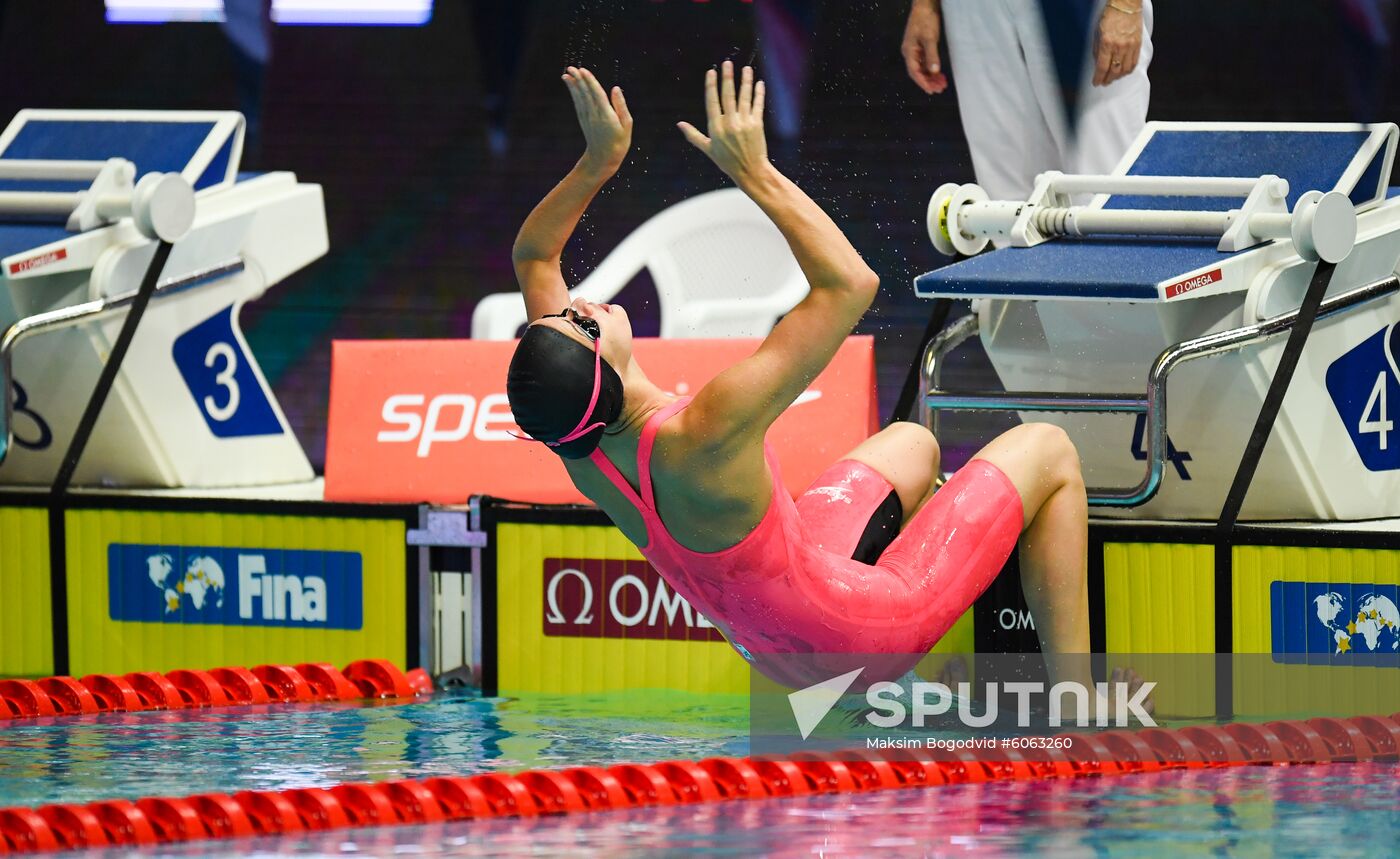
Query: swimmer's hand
[(735, 142), (604, 118)]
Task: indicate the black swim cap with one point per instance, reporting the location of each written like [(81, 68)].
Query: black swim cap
[(549, 385)]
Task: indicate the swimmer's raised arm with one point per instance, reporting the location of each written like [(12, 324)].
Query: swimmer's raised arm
[(607, 128), (743, 400)]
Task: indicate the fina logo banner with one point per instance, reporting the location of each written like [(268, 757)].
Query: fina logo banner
[(235, 587), (1365, 387), (1335, 624)]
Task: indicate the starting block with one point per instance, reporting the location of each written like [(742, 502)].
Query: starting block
[(85, 198), (1200, 245)]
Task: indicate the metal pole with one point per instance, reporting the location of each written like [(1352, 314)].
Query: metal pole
[(1155, 403), (1156, 186), (37, 169), (1033, 401), (931, 363)]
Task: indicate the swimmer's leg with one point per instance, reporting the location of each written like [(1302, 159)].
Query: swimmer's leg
[(858, 505), (905, 454), (1043, 465)]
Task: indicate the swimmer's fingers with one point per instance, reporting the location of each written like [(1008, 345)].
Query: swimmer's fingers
[(620, 107), (588, 100), (571, 81), (692, 134), (604, 119), (712, 113), (596, 94), (726, 88), (583, 100), (746, 90), (758, 92)]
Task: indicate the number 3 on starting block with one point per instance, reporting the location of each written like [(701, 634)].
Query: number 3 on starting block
[(1365, 388), (211, 358)]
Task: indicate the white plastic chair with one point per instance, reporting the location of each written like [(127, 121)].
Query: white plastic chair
[(721, 269)]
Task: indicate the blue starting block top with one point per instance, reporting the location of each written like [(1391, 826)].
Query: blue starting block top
[(203, 146), (1352, 159), (1120, 269)]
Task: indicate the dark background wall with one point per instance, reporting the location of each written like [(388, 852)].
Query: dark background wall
[(432, 143)]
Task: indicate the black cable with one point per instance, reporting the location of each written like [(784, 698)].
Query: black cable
[(58, 549), (1244, 475)]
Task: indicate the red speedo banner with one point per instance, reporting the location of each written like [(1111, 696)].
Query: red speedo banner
[(428, 420)]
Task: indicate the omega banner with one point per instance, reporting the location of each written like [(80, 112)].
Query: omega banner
[(428, 420)]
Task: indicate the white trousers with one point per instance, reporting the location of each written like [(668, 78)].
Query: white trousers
[(1009, 97)]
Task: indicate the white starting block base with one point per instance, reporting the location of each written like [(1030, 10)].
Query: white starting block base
[(1092, 315), (1308, 470)]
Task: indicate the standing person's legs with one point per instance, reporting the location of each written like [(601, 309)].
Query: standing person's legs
[(1110, 117), (1113, 116), (1001, 117)]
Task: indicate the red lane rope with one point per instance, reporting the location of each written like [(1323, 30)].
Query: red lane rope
[(164, 819), (220, 687)]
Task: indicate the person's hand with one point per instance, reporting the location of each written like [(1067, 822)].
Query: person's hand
[(735, 142), (1119, 42), (920, 47), (605, 120)]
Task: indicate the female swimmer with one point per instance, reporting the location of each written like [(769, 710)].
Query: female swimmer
[(869, 560)]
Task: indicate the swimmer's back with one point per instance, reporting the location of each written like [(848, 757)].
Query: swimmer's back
[(709, 494)]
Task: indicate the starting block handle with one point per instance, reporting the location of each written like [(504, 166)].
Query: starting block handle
[(161, 205), (39, 204), (961, 219), (1161, 186), (38, 170), (1077, 221)]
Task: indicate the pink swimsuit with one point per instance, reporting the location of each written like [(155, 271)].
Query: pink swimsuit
[(791, 585)]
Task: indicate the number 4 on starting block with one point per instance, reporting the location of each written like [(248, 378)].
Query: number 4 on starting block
[(226, 389), (1365, 388), (1177, 458)]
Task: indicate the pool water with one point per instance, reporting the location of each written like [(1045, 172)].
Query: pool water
[(1336, 810), (1333, 811), (85, 759)]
